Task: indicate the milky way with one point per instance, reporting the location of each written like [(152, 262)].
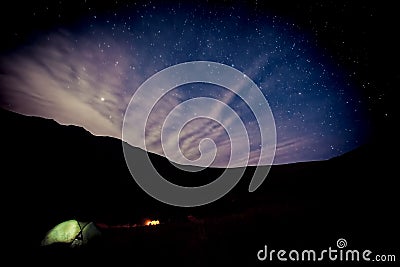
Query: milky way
[(85, 73)]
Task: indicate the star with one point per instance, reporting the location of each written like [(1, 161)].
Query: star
[(107, 56)]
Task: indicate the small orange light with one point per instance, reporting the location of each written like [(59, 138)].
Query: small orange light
[(151, 222)]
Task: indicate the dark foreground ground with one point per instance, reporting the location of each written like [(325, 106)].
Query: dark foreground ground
[(228, 243), (52, 173)]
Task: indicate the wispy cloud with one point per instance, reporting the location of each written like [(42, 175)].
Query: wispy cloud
[(60, 79), (78, 80)]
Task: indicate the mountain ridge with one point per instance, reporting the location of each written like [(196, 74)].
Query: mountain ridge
[(53, 173), (117, 139)]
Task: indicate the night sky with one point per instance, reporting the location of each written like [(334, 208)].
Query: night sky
[(325, 68)]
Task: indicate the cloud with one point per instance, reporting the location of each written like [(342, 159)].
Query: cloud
[(84, 81), (66, 80), (81, 82)]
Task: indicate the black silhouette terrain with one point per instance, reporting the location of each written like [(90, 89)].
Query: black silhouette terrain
[(51, 173)]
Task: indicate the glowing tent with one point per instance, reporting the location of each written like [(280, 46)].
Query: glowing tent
[(72, 232)]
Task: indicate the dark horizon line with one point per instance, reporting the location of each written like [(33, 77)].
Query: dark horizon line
[(154, 153)]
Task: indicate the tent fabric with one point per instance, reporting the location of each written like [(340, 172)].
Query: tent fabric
[(71, 232)]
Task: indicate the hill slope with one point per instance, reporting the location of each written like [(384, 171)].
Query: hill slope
[(52, 173)]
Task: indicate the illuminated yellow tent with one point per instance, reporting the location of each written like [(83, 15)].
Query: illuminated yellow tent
[(72, 232)]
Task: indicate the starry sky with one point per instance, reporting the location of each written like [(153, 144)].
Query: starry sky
[(80, 62)]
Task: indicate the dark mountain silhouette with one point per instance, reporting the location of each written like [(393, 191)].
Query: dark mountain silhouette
[(51, 173)]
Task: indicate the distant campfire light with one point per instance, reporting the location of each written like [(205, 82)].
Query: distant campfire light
[(151, 222)]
